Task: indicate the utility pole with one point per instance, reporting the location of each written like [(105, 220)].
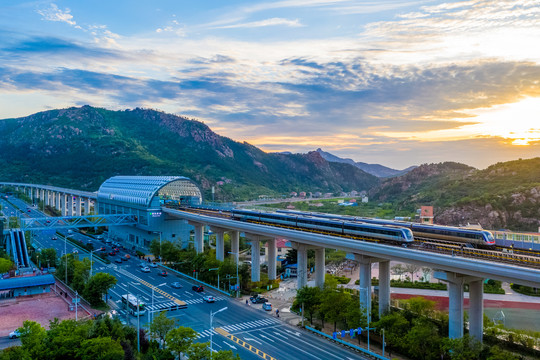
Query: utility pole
[(76, 305), (138, 327)]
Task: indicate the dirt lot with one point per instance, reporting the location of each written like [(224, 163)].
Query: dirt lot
[(39, 308)]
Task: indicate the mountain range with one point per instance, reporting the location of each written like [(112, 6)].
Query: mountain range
[(373, 169), (80, 147)]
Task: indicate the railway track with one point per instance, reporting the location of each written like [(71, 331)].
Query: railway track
[(500, 254)]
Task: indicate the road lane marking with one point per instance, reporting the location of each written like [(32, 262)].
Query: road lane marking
[(156, 289), (244, 344)]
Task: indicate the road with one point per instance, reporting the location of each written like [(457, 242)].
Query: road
[(251, 326)]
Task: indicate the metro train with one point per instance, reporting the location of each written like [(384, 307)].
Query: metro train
[(481, 238), (390, 233)]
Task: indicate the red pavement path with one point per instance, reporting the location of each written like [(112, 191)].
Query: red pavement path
[(441, 302)]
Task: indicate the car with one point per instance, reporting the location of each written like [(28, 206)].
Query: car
[(163, 273), (209, 298), (14, 334), (29, 210), (54, 238), (267, 306), (123, 258), (112, 253), (154, 265), (176, 285), (127, 256), (197, 288), (145, 269), (258, 300), (118, 260), (143, 264), (75, 251)]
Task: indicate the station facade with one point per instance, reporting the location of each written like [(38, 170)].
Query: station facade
[(143, 196)]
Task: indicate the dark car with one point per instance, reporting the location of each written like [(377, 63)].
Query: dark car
[(162, 273), (118, 260), (197, 288), (258, 300), (112, 253)]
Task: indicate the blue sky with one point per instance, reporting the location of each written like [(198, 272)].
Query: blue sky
[(398, 83)]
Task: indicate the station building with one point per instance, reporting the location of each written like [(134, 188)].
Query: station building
[(143, 196), (28, 285)]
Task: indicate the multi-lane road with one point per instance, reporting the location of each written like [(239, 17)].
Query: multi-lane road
[(249, 331)]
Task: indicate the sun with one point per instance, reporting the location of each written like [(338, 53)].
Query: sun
[(518, 122)]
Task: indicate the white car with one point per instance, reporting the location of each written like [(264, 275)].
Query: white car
[(154, 265), (209, 298), (145, 269), (14, 334)]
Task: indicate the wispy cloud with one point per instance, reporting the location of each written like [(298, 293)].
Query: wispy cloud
[(264, 23), (53, 13)]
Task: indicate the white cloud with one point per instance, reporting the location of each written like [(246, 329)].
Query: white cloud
[(53, 13), (264, 23)]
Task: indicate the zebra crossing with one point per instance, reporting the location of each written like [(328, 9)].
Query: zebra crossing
[(172, 304), (241, 326)]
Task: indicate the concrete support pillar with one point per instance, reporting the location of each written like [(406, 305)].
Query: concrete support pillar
[(78, 206), (455, 302), (320, 268), (365, 286), (455, 309), (301, 271), (69, 205), (272, 258), (199, 237), (47, 197), (58, 201), (42, 195), (476, 309), (235, 244), (63, 204), (220, 245), (384, 287), (255, 257)]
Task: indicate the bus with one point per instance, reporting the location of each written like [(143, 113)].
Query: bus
[(131, 301)]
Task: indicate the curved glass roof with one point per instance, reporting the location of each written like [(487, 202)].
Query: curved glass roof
[(140, 190)]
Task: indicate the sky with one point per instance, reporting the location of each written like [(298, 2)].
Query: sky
[(397, 83)]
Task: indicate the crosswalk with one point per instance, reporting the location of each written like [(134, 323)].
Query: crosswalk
[(241, 326)]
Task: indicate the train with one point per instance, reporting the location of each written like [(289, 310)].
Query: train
[(473, 237), (391, 233)]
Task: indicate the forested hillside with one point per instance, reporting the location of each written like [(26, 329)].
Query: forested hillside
[(81, 147), (505, 195)]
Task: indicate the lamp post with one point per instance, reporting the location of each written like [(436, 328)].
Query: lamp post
[(91, 253), (66, 257), (237, 279), (138, 326), (217, 269), (160, 255), (212, 314), (368, 303)]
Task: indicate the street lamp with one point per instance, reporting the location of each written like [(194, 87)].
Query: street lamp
[(217, 269), (160, 255), (212, 328), (91, 253), (237, 280)]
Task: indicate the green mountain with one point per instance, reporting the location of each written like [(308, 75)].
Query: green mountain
[(82, 147), (505, 195)]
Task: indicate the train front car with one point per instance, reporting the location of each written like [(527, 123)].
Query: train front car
[(474, 237), (488, 238), (390, 233)]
